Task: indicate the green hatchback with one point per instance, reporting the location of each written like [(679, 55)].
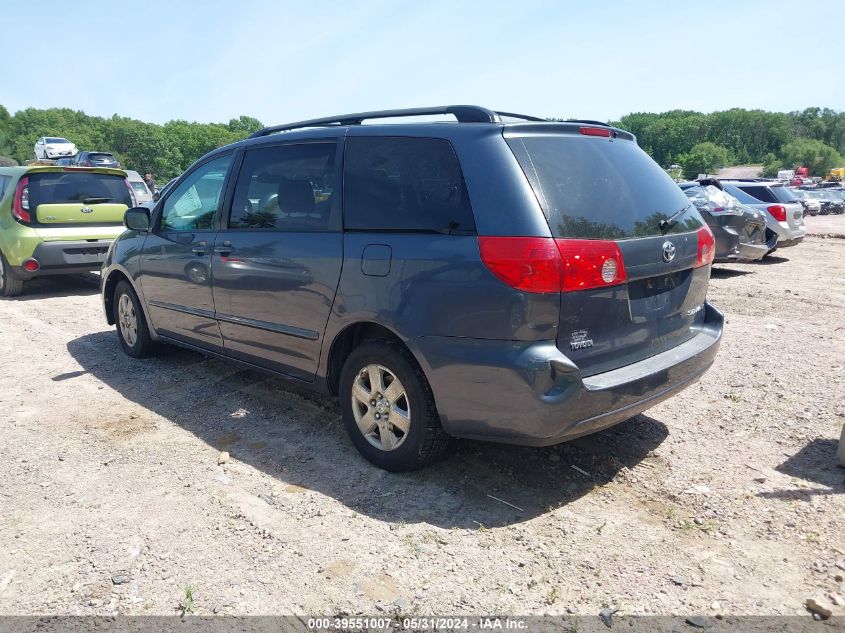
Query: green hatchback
[(57, 220)]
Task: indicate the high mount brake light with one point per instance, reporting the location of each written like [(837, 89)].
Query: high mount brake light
[(545, 264), (20, 203), (706, 247), (595, 131), (778, 212)]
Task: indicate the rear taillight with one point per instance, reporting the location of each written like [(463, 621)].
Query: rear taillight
[(778, 212), (526, 263), (20, 203), (590, 264), (706, 247), (595, 131), (544, 264), (131, 192)]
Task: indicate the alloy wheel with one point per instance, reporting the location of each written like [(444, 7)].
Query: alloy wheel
[(381, 407), (127, 319)]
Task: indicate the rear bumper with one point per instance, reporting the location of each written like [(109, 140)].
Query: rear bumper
[(532, 394), (67, 257)]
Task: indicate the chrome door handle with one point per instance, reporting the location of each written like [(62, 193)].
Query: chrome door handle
[(201, 248)]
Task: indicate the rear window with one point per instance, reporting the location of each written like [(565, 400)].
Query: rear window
[(87, 188), (99, 156), (765, 193), (600, 189), (405, 184)]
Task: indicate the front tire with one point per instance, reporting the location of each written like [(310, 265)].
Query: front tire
[(388, 408), (132, 329), (10, 284)]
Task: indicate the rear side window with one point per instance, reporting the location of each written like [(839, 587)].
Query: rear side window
[(762, 194), (593, 188), (286, 187), (140, 187), (4, 183), (74, 187), (404, 184)]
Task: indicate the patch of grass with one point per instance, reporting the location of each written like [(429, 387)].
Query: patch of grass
[(735, 397), (552, 596), (813, 537), (671, 513), (687, 526), (188, 601)]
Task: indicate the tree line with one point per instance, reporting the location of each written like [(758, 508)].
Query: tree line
[(164, 150), (699, 142), (814, 137)]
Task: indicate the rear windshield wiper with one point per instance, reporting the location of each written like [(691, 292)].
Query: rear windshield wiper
[(672, 220), (95, 200)]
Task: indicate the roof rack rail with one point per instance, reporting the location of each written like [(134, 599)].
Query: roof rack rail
[(524, 117), (463, 113)]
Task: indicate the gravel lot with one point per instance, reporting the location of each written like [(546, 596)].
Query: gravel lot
[(725, 499)]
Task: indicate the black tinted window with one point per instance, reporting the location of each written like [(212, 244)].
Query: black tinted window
[(58, 187), (404, 184), (287, 187), (783, 194), (762, 194), (600, 189)]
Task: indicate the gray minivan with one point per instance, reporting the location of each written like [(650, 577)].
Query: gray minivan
[(499, 277)]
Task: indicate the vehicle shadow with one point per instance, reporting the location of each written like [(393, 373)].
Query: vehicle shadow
[(728, 273), (298, 439), (55, 286), (771, 260), (816, 462)]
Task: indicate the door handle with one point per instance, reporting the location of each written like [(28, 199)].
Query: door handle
[(224, 249), (201, 248)]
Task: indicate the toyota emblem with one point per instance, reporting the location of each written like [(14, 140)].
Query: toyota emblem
[(668, 251)]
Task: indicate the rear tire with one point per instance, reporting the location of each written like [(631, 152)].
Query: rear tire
[(388, 408), (131, 324), (10, 284)]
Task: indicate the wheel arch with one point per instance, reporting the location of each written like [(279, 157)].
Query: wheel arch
[(113, 277), (350, 337)]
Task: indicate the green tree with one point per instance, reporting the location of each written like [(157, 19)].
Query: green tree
[(704, 158), (815, 155)]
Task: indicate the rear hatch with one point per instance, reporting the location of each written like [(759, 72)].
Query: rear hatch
[(78, 197), (605, 189)]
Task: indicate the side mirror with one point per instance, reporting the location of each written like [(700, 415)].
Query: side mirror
[(156, 196), (137, 219)]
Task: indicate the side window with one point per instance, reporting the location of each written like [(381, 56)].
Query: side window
[(286, 188), (4, 182), (192, 204), (761, 193), (404, 184)]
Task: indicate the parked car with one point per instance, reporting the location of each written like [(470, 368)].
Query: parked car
[(740, 231), (95, 159), (143, 195), (828, 203), (64, 162), (811, 205), (48, 147), (524, 282), (837, 198), (57, 220), (784, 214)]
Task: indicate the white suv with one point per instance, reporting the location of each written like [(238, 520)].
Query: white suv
[(54, 147)]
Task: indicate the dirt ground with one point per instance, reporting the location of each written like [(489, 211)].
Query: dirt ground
[(723, 500)]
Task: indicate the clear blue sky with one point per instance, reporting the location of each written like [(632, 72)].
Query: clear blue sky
[(280, 61)]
